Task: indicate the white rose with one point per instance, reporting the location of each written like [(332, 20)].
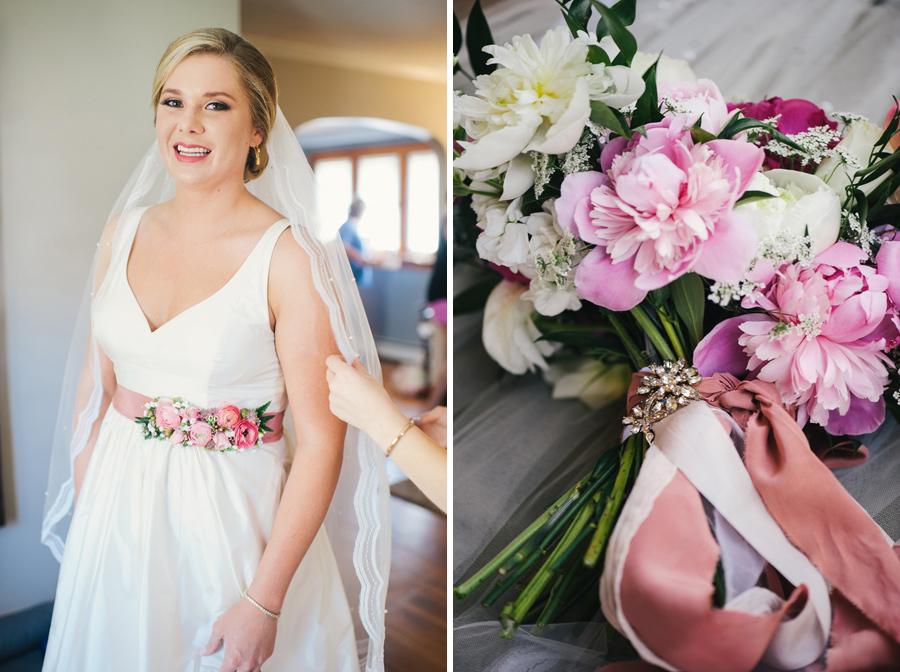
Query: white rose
[(803, 206), (857, 145), (668, 70), (509, 333), (595, 383)]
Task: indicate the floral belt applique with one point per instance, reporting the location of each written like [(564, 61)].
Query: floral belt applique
[(224, 428)]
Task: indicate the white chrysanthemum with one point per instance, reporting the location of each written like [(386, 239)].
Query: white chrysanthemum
[(538, 99), (504, 236), (509, 334), (552, 262)]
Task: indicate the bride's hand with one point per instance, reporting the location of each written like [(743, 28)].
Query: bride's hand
[(248, 635)]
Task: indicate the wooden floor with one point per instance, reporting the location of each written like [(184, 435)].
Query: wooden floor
[(416, 619)]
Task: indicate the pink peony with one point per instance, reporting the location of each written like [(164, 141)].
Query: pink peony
[(191, 413), (176, 438), (663, 208), (821, 341), (167, 416), (200, 433), (222, 441), (228, 416), (245, 434)]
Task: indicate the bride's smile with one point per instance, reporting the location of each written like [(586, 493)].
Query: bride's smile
[(203, 123)]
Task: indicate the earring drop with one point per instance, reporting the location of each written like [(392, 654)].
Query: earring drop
[(256, 151)]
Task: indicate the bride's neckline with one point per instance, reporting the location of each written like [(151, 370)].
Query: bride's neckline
[(150, 328)]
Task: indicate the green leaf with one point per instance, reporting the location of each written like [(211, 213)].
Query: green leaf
[(877, 169), (457, 36), (689, 295), (603, 115), (473, 299), (890, 129), (753, 197), (620, 34), (646, 109), (862, 205), (478, 36), (581, 12), (597, 55), (700, 136), (626, 10)]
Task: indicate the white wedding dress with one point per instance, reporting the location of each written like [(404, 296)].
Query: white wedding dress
[(164, 539)]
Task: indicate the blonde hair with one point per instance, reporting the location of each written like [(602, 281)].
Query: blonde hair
[(254, 74)]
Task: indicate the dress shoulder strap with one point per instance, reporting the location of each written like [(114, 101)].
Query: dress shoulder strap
[(266, 245)]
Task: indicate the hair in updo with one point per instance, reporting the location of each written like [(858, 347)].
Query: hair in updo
[(254, 73)]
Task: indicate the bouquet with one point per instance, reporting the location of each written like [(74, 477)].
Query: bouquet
[(742, 254)]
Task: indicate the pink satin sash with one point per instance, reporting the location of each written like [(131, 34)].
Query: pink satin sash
[(666, 588), (131, 404)]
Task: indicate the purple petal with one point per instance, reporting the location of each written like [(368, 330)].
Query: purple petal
[(726, 256), (864, 416), (613, 148), (719, 351), (610, 285)]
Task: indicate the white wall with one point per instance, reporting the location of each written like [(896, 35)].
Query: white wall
[(75, 119)]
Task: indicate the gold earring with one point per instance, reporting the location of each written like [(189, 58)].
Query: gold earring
[(256, 150)]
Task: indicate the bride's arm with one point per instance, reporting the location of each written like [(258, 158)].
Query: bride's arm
[(94, 358), (303, 340)]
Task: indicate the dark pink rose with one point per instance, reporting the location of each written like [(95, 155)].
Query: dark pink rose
[(167, 416), (245, 434), (200, 433), (228, 416), (797, 116)]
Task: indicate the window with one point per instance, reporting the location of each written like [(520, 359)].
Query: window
[(401, 187)]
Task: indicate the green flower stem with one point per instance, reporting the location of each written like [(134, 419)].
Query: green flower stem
[(653, 333), (482, 575), (535, 555), (557, 598), (669, 326), (613, 503), (634, 353), (537, 584)]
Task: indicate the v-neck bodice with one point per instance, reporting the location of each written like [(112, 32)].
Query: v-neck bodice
[(220, 349)]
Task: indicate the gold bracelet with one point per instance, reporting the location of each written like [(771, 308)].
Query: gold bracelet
[(399, 436), (260, 607)]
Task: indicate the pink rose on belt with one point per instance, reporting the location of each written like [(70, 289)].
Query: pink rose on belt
[(200, 433), (228, 416), (167, 416), (245, 434), (177, 438), (222, 441), (192, 413)]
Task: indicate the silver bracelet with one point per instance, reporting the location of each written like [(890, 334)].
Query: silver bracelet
[(260, 607)]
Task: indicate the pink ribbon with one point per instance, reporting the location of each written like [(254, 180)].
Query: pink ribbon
[(666, 588), (131, 404)]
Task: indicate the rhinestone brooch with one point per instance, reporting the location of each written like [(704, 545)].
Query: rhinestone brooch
[(668, 387)]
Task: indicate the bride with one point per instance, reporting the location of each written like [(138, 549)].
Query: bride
[(193, 541)]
